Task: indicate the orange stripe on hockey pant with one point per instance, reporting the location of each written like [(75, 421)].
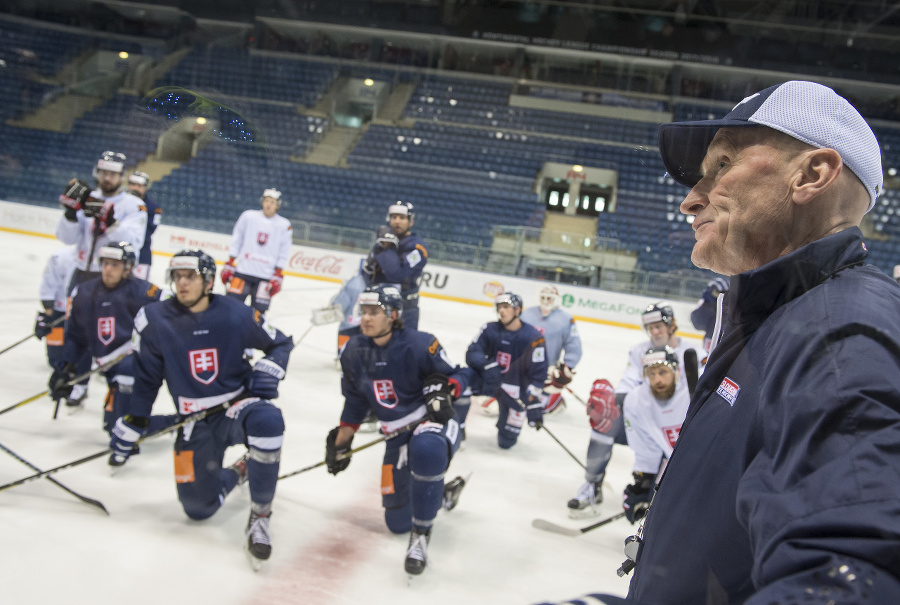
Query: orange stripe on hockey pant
[(236, 285), (108, 402), (184, 467), (56, 337), (387, 479)]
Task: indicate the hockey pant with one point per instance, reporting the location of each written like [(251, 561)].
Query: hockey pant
[(601, 444), (412, 475), (200, 480), (120, 384), (55, 341), (241, 286), (510, 420)]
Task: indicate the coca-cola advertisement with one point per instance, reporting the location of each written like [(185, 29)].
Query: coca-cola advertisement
[(320, 263)]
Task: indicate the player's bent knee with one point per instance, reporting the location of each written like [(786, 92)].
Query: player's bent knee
[(199, 511), (429, 454), (398, 520), (506, 440), (264, 421)]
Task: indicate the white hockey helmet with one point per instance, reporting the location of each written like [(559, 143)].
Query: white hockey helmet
[(272, 193), (402, 208)]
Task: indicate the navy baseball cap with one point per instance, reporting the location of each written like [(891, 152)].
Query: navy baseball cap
[(806, 111)]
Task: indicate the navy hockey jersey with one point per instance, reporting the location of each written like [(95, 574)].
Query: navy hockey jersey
[(402, 266), (200, 355), (101, 320), (521, 356), (388, 379)]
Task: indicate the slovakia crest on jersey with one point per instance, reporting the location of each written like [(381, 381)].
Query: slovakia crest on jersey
[(204, 364), (503, 360), (262, 238), (106, 329), (385, 393)]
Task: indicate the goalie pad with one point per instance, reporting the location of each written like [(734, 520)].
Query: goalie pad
[(327, 315)]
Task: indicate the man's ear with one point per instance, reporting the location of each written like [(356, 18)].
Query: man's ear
[(818, 169)]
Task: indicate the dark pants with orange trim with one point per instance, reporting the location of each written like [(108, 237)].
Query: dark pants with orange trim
[(241, 286), (412, 475)]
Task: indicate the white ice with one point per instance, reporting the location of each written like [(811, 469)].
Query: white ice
[(330, 544)]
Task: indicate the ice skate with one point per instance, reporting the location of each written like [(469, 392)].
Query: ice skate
[(417, 553), (259, 546), (75, 400), (240, 467), (586, 502), (369, 423), (452, 491)]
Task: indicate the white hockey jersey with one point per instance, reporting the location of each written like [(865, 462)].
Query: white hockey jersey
[(652, 426), (260, 244), (55, 279), (130, 226)]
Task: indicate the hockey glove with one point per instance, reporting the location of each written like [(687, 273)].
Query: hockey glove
[(491, 378), (637, 496), (560, 376), (385, 239), (42, 325), (264, 379), (228, 271), (124, 438), (59, 386), (534, 407), (332, 452), (103, 213), (73, 198), (275, 282), (440, 392), (602, 409)]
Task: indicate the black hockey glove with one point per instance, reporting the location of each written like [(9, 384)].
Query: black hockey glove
[(73, 198), (559, 378), (534, 407), (42, 325), (264, 379), (637, 496), (332, 452), (59, 386), (439, 394), (124, 438), (385, 239), (103, 213)]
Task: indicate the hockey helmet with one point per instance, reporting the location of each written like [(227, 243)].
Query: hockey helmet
[(194, 259), (139, 178), (402, 208), (664, 355), (122, 251), (718, 284), (549, 300), (111, 161), (513, 300), (386, 296), (272, 193), (657, 312)]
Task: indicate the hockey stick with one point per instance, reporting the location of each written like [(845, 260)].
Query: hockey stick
[(321, 317), (575, 395), (346, 455), (84, 499), (52, 324), (568, 531), (186, 420), (691, 370), (569, 452), (73, 382)]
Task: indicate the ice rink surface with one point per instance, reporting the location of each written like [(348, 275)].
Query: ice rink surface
[(330, 544)]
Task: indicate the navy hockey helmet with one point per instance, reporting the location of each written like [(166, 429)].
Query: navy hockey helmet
[(195, 259), (718, 284), (513, 300), (402, 208), (272, 193), (656, 312), (664, 355), (386, 296), (111, 161), (122, 251)]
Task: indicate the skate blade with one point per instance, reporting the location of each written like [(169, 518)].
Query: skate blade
[(71, 410), (585, 513), (255, 564)]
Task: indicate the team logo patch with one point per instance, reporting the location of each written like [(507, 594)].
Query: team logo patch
[(106, 329), (204, 364), (262, 238), (503, 360), (671, 434), (385, 393), (729, 390)]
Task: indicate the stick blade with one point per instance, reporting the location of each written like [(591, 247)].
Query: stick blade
[(553, 527)]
